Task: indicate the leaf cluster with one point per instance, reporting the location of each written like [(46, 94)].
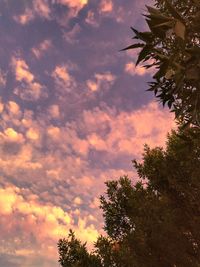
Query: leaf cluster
[(158, 219), (172, 48)]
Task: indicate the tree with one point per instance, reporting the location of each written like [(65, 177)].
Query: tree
[(155, 222), (172, 46), (158, 219), (72, 253)]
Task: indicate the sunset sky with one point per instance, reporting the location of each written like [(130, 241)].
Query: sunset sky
[(74, 113)]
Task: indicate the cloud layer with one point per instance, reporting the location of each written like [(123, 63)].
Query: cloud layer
[(74, 113)]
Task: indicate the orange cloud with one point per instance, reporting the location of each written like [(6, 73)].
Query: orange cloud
[(51, 208), (30, 89), (106, 6), (13, 107), (22, 72), (63, 79), (54, 111), (46, 222), (78, 4)]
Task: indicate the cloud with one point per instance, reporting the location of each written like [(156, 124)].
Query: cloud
[(128, 132), (36, 8), (55, 186), (42, 8), (78, 201), (46, 222), (106, 6), (13, 107), (91, 19), (54, 111), (22, 72), (29, 88), (64, 81), (133, 70), (71, 37), (101, 81), (41, 48), (3, 78), (25, 17), (77, 4), (73, 7), (61, 135)]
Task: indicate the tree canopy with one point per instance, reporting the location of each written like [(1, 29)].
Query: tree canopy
[(155, 222), (172, 47)]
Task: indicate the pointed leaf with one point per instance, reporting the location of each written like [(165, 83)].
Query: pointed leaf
[(143, 54), (179, 29), (133, 46)]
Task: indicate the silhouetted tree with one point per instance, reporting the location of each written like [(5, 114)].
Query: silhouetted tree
[(73, 253)]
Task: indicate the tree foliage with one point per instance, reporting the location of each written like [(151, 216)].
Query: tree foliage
[(172, 47), (72, 253), (155, 222)]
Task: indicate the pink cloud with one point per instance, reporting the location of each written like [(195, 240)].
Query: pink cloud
[(39, 50), (106, 6), (50, 208), (29, 88)]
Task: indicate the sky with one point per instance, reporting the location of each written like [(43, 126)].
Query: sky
[(74, 112)]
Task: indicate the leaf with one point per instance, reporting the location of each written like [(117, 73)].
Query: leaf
[(144, 36), (169, 24), (174, 12), (133, 46), (194, 50), (180, 29), (193, 74), (169, 74), (159, 32), (144, 53), (196, 2), (152, 10), (162, 70)]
